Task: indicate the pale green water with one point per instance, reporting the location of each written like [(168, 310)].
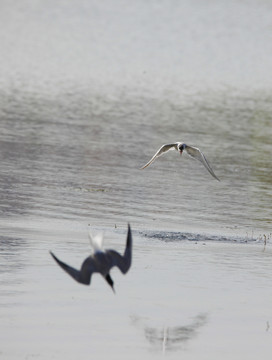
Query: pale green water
[(61, 159)]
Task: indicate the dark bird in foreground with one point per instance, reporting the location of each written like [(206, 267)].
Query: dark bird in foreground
[(194, 152), (100, 261)]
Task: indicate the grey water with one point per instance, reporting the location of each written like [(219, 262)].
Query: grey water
[(88, 92)]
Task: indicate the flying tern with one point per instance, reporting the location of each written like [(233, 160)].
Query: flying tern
[(101, 261), (193, 151)]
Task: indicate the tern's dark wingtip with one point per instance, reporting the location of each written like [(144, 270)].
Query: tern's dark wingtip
[(129, 231), (53, 256)]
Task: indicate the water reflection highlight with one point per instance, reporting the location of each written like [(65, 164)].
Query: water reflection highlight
[(170, 338)]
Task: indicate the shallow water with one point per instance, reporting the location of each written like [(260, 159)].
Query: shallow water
[(180, 298), (88, 93), (85, 167)]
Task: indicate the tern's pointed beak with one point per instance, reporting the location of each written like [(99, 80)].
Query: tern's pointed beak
[(110, 282)]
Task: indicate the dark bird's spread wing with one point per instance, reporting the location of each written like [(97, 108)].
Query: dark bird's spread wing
[(197, 154), (122, 262), (84, 275), (161, 151)]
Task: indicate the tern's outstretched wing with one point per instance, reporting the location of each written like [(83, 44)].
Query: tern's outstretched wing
[(84, 275), (197, 154), (122, 262), (161, 151)]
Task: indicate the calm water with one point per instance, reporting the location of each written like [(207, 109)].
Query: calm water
[(75, 157), (88, 93)]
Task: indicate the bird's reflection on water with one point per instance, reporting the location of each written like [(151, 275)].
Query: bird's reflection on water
[(171, 338)]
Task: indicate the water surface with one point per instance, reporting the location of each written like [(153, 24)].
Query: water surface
[(88, 93)]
